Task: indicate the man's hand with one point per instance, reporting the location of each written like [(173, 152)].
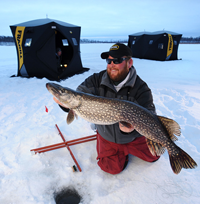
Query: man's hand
[(126, 129), (57, 101)]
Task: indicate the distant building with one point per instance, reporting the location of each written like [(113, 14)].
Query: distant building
[(160, 45), (36, 42)]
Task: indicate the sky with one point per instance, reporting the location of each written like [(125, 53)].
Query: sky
[(107, 17)]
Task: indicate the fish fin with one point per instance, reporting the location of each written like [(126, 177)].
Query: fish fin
[(171, 126), (181, 160), (128, 125), (155, 148), (70, 117)]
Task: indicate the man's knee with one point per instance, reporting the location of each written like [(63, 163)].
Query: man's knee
[(113, 165)]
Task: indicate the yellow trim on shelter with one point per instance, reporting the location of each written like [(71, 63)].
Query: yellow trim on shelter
[(170, 46), (19, 34)]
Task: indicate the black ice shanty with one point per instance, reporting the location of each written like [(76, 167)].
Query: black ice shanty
[(36, 43), (160, 45)]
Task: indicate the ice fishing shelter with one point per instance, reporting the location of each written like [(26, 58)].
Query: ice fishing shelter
[(160, 45), (36, 43)]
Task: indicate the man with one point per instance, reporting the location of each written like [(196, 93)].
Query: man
[(119, 80), (59, 59)]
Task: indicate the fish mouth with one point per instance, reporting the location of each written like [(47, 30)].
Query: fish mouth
[(47, 86), (53, 89)]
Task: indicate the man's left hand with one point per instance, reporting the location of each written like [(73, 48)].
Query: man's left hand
[(126, 129)]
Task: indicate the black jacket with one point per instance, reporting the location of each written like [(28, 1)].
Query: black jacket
[(135, 90)]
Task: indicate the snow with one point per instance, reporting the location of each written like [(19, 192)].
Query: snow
[(33, 179)]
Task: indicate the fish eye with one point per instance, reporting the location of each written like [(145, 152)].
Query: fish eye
[(62, 90)]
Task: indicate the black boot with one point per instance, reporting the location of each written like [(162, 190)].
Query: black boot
[(126, 162)]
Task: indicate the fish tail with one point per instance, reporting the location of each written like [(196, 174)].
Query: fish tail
[(181, 160)]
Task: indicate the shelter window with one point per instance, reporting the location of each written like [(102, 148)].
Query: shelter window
[(175, 42), (133, 42), (160, 46), (150, 42), (74, 41), (65, 42), (28, 42)]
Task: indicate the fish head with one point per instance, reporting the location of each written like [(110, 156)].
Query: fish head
[(65, 95)]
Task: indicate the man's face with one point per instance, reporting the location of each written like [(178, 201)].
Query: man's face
[(59, 53), (118, 72)]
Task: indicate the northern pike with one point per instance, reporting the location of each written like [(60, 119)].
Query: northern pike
[(159, 131)]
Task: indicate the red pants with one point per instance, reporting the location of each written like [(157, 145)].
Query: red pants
[(112, 156)]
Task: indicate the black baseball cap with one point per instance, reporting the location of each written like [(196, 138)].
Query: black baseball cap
[(116, 51), (58, 49)]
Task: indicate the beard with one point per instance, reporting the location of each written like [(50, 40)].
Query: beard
[(117, 75)]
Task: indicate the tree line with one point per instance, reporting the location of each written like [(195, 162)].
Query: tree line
[(9, 39), (190, 40), (6, 39)]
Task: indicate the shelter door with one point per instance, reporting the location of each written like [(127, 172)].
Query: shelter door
[(47, 54)]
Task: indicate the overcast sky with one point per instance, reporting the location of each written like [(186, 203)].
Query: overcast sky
[(107, 17)]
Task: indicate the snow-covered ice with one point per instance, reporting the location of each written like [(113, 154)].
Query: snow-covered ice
[(24, 125)]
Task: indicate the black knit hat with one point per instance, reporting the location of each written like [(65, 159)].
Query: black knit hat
[(116, 51)]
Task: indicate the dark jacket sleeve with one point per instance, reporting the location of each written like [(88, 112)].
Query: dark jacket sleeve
[(64, 109), (91, 84), (144, 95)]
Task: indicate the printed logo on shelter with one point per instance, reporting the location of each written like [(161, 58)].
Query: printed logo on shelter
[(170, 47), (19, 33), (114, 47)]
